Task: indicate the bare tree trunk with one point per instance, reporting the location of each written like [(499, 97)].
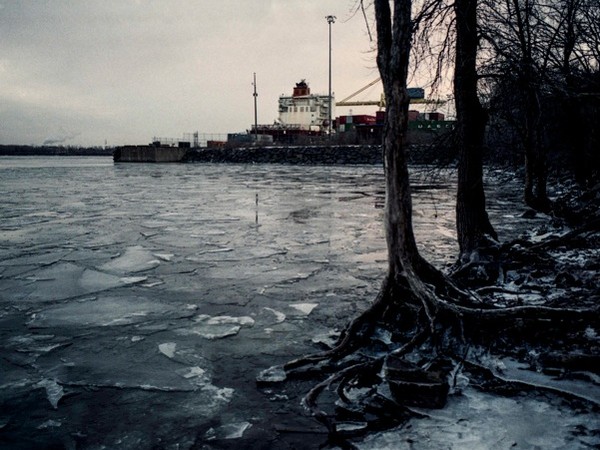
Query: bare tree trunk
[(393, 50), (472, 223), (536, 176)]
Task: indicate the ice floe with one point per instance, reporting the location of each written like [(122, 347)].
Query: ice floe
[(164, 256), (134, 259), (49, 424), (105, 311), (168, 349), (54, 391), (304, 308), (217, 327), (229, 431), (274, 374), (65, 280), (279, 316), (509, 369)]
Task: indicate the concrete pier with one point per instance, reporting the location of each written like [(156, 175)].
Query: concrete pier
[(148, 153)]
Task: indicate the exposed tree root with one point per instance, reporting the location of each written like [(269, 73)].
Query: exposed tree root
[(431, 318), (435, 318)]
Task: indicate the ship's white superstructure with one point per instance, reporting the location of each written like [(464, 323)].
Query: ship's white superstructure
[(303, 110)]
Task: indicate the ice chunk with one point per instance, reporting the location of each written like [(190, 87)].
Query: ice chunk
[(168, 349), (135, 259), (511, 370), (217, 327), (94, 281), (132, 280), (351, 426), (279, 316), (164, 256), (229, 431), (327, 339), (153, 284), (383, 335), (49, 424), (274, 374), (304, 308), (54, 391), (590, 333), (220, 250), (192, 372)]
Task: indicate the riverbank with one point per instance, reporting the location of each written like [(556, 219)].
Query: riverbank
[(335, 154), (302, 155), (297, 154), (30, 150)]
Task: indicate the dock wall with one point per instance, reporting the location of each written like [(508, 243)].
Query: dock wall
[(134, 153)]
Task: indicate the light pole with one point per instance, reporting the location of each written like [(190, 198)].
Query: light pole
[(330, 20), (255, 94)]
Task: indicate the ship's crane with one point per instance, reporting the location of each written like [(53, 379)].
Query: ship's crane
[(416, 96)]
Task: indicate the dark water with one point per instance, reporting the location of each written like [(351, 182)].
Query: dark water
[(139, 302)]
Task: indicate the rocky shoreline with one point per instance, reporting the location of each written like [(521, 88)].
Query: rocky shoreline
[(306, 155)]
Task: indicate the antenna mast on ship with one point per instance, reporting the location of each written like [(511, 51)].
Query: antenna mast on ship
[(255, 95)]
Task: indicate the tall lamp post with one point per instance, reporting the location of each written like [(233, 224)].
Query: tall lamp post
[(255, 94), (330, 20)]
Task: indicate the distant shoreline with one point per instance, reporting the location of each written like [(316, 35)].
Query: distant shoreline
[(30, 150), (335, 154)]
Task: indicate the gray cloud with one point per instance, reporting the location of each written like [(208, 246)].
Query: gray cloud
[(125, 71)]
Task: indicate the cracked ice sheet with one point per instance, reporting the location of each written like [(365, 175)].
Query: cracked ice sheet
[(106, 311), (62, 281), (143, 367), (476, 420)]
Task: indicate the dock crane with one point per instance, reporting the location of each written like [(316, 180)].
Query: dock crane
[(416, 96)]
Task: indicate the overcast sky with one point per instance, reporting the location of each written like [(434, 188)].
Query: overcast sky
[(124, 71)]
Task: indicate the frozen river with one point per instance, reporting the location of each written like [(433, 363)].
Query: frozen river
[(138, 302)]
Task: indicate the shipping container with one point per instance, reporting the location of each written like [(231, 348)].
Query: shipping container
[(413, 115), (416, 93)]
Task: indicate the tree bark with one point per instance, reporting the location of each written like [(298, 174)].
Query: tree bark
[(393, 51), (472, 223)]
